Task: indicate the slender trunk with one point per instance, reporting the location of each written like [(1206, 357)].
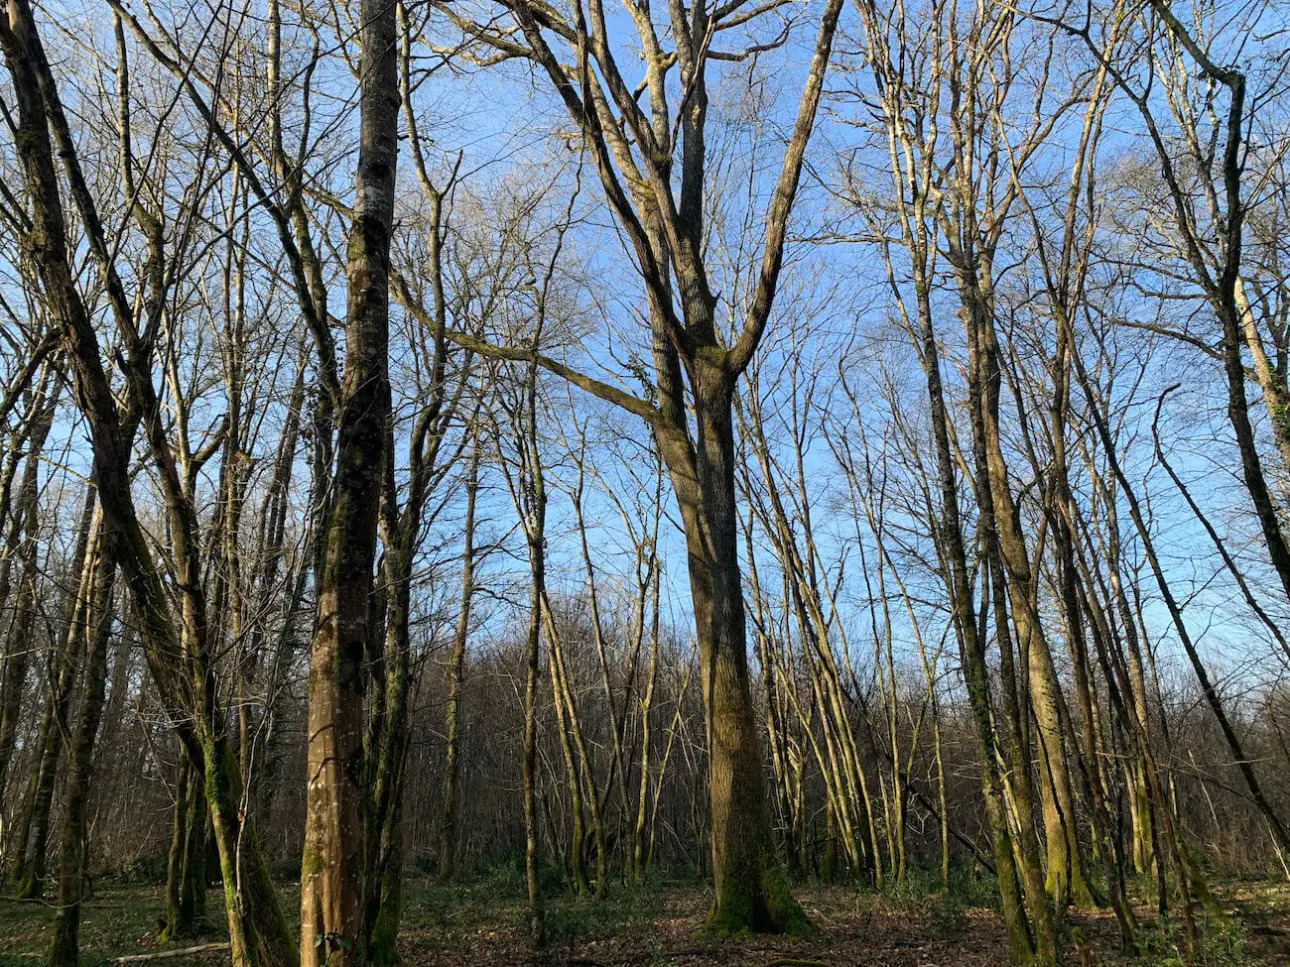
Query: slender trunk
[(577, 834), (21, 543), (941, 796), (192, 892), (972, 648), (1208, 690), (1137, 723), (532, 651), (585, 772), (64, 948), (186, 866), (1065, 878), (455, 673), (178, 844), (178, 659), (639, 857), (62, 669)]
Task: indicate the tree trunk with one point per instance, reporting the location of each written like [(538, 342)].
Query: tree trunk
[(22, 543), (751, 890), (953, 552), (331, 893), (64, 948), (456, 669), (536, 913), (62, 668), (178, 845), (186, 866), (178, 659)]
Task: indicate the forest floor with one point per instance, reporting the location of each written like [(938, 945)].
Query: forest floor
[(480, 924)]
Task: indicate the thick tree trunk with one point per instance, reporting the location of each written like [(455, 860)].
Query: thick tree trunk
[(331, 894), (751, 890)]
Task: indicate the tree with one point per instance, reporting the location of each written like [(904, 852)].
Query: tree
[(331, 874), (666, 237)]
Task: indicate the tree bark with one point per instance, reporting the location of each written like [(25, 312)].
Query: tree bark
[(331, 888), (751, 890)]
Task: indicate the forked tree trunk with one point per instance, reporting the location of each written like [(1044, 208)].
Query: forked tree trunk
[(259, 936), (582, 771), (972, 648), (667, 235), (186, 866), (178, 840)]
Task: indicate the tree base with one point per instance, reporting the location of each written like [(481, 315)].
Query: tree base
[(764, 906), (382, 947), (26, 884)]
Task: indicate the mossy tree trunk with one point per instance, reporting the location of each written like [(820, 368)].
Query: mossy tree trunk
[(192, 893), (178, 846), (258, 931), (332, 870), (186, 863), (751, 890)]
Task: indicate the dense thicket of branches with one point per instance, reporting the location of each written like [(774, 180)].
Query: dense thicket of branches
[(771, 440)]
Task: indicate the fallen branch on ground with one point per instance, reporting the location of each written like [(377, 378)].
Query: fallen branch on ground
[(205, 948)]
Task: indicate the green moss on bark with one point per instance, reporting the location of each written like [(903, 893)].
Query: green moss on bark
[(764, 905)]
